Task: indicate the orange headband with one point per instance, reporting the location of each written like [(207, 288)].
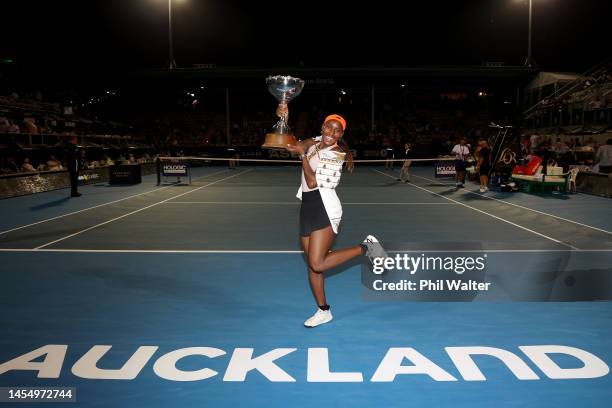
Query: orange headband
[(339, 119)]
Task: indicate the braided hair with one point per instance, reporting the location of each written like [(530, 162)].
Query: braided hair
[(349, 156)]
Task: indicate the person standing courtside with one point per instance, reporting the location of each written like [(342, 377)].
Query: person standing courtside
[(73, 164), (406, 154), (462, 153), (483, 153)]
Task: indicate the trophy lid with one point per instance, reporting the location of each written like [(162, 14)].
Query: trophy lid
[(284, 87)]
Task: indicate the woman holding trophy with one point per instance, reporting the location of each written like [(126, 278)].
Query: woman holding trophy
[(320, 213)]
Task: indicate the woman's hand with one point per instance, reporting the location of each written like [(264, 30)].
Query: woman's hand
[(305, 144), (296, 149), (349, 162)]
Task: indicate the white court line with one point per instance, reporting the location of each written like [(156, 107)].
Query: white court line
[(99, 205), (237, 202), (156, 251), (277, 251), (225, 159), (141, 209), (504, 250), (520, 206), (290, 203), (486, 213)]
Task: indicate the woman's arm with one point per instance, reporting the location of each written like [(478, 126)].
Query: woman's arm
[(309, 174), (283, 111), (478, 157), (306, 143)]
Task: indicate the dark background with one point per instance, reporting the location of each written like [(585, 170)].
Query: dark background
[(568, 35)]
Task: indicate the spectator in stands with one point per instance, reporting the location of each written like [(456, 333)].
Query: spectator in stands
[(88, 164), (590, 142), (604, 157), (8, 166), (45, 129), (131, 159), (525, 145), (84, 163), (534, 142), (4, 124), (53, 164), (461, 152), (563, 153), (12, 127), (29, 126), (560, 148), (27, 167), (107, 161)]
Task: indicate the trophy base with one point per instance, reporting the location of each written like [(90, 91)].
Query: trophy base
[(278, 141)]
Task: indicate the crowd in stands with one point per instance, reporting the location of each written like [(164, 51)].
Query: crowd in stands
[(432, 130), (429, 135), (27, 125), (31, 124), (11, 165), (33, 132), (594, 90), (570, 152), (584, 104), (591, 88)]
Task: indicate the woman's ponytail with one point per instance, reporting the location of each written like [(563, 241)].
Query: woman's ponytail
[(349, 157)]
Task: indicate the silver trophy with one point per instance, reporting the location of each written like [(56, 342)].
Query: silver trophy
[(284, 89)]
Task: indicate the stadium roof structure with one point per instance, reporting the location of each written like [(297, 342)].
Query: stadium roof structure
[(547, 78), (479, 71)]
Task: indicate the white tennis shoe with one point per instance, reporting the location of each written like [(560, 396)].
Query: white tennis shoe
[(320, 317), (374, 248)]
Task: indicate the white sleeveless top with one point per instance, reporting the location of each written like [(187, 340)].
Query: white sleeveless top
[(327, 165)]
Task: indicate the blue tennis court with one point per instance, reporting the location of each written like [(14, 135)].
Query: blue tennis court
[(195, 295)]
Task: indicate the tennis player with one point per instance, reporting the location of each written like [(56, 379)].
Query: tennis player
[(321, 211)]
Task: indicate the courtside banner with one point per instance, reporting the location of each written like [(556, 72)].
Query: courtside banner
[(175, 168), (445, 168)]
